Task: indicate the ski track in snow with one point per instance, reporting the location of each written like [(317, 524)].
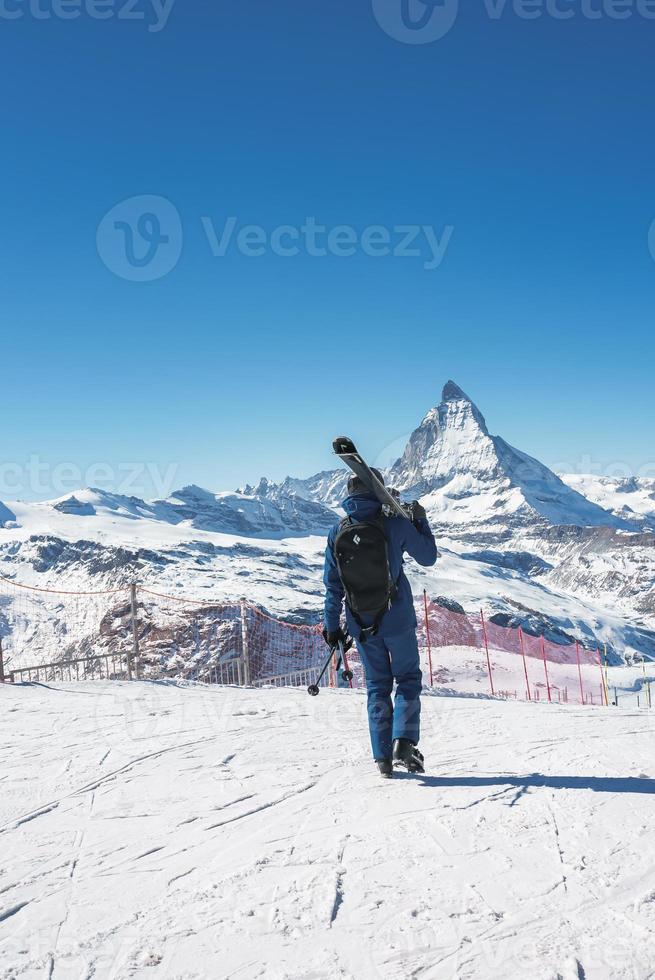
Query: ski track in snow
[(235, 837)]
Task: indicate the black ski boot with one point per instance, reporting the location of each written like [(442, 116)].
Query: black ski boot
[(386, 768), (406, 754)]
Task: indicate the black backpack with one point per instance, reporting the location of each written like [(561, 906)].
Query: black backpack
[(362, 557)]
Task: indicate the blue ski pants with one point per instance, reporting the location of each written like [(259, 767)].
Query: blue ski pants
[(385, 659)]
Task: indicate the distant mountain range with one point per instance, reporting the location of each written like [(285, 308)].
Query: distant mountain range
[(573, 554)]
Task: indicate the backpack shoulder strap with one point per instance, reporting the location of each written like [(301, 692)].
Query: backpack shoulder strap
[(341, 526)]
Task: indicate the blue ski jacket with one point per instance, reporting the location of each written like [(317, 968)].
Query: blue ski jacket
[(402, 536)]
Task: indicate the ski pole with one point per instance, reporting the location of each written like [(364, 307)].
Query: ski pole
[(313, 689), (346, 673)]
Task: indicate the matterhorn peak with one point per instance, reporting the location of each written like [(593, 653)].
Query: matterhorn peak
[(458, 411), (451, 440), (453, 393), (453, 455)]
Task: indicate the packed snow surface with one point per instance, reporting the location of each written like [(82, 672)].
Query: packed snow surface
[(161, 831)]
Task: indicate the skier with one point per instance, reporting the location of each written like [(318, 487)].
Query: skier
[(364, 565)]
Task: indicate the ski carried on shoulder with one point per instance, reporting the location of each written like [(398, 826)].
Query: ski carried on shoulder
[(346, 450)]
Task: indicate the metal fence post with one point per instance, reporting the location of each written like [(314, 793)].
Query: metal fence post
[(486, 646), (2, 664), (525, 668), (577, 655), (245, 653), (135, 637), (543, 651), (427, 636)]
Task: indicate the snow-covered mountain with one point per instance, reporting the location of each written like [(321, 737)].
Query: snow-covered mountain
[(465, 475), (327, 487), (528, 545), (469, 475), (630, 498), (252, 513)]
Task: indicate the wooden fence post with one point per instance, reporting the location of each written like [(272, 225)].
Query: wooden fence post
[(245, 652)]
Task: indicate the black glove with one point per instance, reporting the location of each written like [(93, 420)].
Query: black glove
[(418, 512), (334, 637)]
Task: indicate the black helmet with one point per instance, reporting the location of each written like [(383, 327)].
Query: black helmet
[(357, 485)]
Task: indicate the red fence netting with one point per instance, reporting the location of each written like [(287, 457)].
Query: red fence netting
[(191, 637)]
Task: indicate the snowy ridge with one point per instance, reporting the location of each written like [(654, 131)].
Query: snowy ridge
[(252, 513), (328, 487), (255, 515)]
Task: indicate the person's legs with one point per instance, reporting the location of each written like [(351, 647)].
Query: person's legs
[(406, 669), (379, 683)]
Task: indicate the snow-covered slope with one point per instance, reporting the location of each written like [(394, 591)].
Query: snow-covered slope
[(152, 831)]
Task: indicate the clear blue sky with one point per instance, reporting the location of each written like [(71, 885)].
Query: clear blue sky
[(533, 139)]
